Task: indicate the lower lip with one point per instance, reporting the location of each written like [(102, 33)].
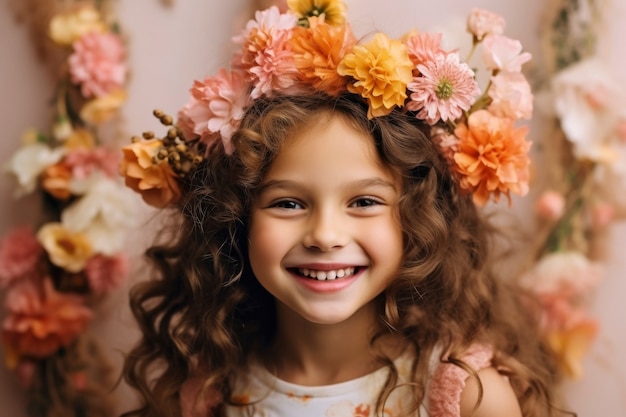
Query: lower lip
[(328, 285)]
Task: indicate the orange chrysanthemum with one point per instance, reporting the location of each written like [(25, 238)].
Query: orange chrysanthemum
[(492, 157), (318, 52), (156, 182), (381, 70)]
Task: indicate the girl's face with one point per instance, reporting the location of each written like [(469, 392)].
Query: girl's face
[(324, 236)]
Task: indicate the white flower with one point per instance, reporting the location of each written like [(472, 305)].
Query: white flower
[(104, 214), (29, 162), (588, 101)]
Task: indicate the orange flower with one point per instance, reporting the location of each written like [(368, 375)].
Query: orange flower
[(492, 157), (318, 52), (155, 181), (56, 181), (381, 70), (572, 344), (41, 320)]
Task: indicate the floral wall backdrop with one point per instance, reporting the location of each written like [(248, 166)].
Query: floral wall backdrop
[(168, 47)]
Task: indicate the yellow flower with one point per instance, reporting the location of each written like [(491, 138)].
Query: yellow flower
[(334, 11), (66, 28), (80, 138), (101, 109), (381, 70), (572, 344), (67, 249)]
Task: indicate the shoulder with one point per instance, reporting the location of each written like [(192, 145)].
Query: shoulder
[(498, 397)]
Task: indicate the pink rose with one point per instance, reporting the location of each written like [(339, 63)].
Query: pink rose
[(83, 162), (97, 64), (511, 96), (481, 23), (550, 205), (106, 273), (504, 54), (19, 253)]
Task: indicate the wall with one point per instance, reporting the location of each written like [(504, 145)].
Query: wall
[(169, 47)]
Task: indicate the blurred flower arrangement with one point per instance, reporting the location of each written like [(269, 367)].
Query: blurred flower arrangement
[(307, 45), (583, 177), (54, 271)]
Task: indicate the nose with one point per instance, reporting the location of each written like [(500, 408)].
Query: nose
[(326, 230)]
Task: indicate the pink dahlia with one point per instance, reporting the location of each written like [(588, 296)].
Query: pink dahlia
[(216, 107), (106, 273), (19, 253), (97, 64), (424, 47), (41, 320), (444, 90), (83, 162)]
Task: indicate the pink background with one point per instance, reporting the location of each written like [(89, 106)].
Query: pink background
[(169, 47)]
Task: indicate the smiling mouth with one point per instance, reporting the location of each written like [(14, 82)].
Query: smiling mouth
[(326, 275)]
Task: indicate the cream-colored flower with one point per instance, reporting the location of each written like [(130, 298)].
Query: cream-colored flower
[(103, 214), (62, 128), (101, 109), (67, 249), (29, 162), (66, 28)]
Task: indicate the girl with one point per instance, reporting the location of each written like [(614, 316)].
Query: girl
[(325, 260)]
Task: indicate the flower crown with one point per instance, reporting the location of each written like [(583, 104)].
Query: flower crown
[(311, 47)]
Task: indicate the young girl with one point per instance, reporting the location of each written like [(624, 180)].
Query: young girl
[(327, 256)]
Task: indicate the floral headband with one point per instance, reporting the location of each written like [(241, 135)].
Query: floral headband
[(311, 47)]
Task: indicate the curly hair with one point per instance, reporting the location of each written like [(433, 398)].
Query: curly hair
[(206, 311)]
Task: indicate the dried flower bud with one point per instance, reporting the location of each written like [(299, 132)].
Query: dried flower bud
[(148, 135)]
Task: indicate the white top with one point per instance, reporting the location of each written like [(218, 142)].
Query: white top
[(269, 396)]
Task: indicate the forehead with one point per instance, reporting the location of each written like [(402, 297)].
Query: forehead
[(328, 146)]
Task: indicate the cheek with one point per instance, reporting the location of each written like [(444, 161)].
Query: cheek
[(265, 243)]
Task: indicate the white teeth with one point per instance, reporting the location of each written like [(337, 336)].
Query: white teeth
[(326, 275)]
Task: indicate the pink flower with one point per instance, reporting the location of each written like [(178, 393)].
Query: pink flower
[(41, 320), (445, 89), (481, 23), (84, 161), (511, 96), (19, 252), (504, 54), (448, 143), (97, 64), (424, 47), (602, 214), (550, 205), (106, 273), (216, 107)]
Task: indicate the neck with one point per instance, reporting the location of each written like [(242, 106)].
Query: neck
[(318, 354)]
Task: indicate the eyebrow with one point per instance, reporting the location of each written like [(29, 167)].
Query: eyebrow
[(363, 183)]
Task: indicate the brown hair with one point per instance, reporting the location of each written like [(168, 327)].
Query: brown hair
[(207, 311)]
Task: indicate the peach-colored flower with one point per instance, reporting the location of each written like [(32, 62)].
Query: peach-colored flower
[(424, 47), (504, 54), (448, 143), (19, 253), (41, 320), (481, 23), (550, 205), (97, 64), (318, 50), (101, 109), (333, 11), (602, 214), (106, 273), (66, 28), (444, 90), (56, 181), (156, 182), (492, 157), (381, 70), (66, 249), (572, 344), (511, 96), (216, 107)]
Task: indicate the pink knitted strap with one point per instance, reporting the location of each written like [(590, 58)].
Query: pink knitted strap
[(444, 396)]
